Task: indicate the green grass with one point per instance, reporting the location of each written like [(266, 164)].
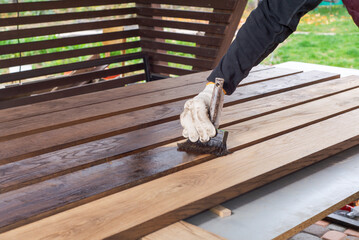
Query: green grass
[(340, 49), (328, 19)]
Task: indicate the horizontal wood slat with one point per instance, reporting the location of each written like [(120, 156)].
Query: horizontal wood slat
[(209, 28), (33, 46), (49, 5), (11, 114), (209, 16), (86, 113), (186, 192), (15, 91), (141, 133), (69, 67), (24, 124), (22, 20), (198, 51), (65, 28), (207, 40), (27, 46), (67, 54), (174, 128), (228, 4), (199, 63), (226, 177), (170, 70), (73, 91)]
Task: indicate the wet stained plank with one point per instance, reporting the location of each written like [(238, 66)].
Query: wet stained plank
[(138, 168), (155, 204)]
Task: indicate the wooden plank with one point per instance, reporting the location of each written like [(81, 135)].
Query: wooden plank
[(207, 40), (262, 67), (93, 98), (278, 85), (112, 94), (210, 16), (183, 230), (68, 54), (36, 87), (138, 168), (109, 127), (70, 67), (11, 21), (325, 187), (33, 46), (85, 114), (227, 4), (29, 125), (184, 193), (198, 51), (221, 211), (200, 63), (73, 91), (165, 69), (211, 28), (262, 75), (65, 28), (50, 5)]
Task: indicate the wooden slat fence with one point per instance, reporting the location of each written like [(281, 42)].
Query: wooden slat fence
[(52, 46)]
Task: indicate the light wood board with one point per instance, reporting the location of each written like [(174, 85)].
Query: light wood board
[(186, 192), (71, 159), (182, 230)]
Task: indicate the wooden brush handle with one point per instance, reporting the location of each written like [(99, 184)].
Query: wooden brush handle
[(216, 105)]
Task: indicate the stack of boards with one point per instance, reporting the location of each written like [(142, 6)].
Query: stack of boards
[(105, 165)]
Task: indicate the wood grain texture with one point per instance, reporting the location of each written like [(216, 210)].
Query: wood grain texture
[(199, 3), (232, 114), (126, 14), (183, 230), (91, 183), (19, 148), (210, 16), (221, 211), (25, 126), (186, 192), (112, 94)]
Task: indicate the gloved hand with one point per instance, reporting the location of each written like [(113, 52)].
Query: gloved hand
[(195, 117)]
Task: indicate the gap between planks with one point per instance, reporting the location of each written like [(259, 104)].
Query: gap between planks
[(267, 127), (150, 206), (98, 111), (247, 111), (245, 93), (113, 94)]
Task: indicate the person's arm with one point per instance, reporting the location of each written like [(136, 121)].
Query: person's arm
[(353, 9), (267, 26)]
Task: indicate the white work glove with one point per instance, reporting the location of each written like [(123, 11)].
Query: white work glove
[(195, 117)]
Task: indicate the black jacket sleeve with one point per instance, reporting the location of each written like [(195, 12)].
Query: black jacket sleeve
[(267, 26), (353, 9)]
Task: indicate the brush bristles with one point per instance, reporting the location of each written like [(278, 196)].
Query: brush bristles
[(216, 146)]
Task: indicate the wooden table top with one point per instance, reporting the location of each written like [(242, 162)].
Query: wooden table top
[(67, 164)]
